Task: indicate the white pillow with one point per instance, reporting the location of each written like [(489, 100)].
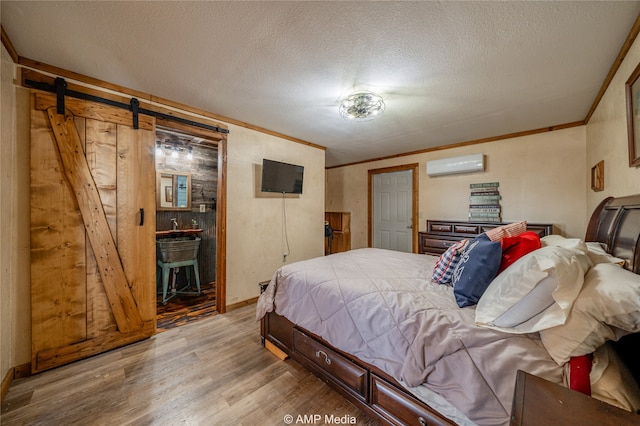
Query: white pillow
[(607, 308), (598, 254), (535, 292), (573, 244), (611, 381), (534, 303)]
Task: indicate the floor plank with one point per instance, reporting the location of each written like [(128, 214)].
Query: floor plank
[(210, 372), (186, 308)]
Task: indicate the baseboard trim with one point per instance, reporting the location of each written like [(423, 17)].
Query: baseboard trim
[(22, 371), (242, 304), (6, 382), (18, 372)]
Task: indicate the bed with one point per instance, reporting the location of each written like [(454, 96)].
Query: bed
[(372, 323)]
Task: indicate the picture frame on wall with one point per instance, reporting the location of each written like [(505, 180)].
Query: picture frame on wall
[(632, 89), (597, 177)]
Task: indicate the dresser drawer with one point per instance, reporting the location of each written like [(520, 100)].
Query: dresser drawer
[(386, 399), (472, 230), (336, 368), (434, 244)]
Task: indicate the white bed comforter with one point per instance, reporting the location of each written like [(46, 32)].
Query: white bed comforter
[(381, 306)]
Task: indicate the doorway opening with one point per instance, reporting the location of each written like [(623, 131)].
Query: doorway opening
[(189, 209), (393, 208)]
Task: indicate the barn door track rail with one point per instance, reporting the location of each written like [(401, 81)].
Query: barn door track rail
[(60, 89)]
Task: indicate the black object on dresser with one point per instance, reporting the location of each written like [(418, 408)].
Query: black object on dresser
[(441, 234)]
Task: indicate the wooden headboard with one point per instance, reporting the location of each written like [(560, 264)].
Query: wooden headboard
[(616, 224)]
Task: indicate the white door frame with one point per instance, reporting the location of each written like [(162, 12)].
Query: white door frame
[(414, 168)]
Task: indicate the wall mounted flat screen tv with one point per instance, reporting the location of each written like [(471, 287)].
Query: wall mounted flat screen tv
[(281, 177)]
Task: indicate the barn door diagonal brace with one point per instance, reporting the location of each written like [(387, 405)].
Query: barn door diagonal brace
[(123, 304)]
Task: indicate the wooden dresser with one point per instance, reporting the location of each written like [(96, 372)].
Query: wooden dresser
[(340, 222), (441, 234), (539, 402)]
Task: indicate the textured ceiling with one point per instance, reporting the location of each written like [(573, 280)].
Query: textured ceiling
[(449, 72)]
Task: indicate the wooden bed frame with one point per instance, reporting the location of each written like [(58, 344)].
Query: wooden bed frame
[(615, 223)]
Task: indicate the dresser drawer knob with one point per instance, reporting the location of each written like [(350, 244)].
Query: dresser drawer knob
[(422, 421), (326, 357)]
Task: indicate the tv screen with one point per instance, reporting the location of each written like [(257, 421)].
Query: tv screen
[(281, 177)]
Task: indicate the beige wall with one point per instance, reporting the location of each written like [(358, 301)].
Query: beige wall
[(7, 103), (607, 137), (255, 225), (15, 323), (542, 179)]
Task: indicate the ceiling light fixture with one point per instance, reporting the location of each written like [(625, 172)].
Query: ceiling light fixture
[(173, 149), (362, 106)]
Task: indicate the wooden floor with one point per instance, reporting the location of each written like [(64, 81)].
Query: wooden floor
[(185, 308), (209, 372)]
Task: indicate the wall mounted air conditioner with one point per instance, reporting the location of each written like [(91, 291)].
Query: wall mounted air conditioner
[(449, 166)]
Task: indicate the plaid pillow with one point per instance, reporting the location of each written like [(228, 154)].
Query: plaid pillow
[(446, 263)]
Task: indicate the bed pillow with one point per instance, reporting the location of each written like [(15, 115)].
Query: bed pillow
[(513, 248), (611, 380), (509, 230), (598, 254), (607, 308), (446, 263), (573, 244), (534, 293), (478, 266)]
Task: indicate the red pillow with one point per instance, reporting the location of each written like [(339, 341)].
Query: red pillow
[(579, 369), (513, 248)]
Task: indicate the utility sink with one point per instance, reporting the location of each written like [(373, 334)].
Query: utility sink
[(177, 232), (177, 249)]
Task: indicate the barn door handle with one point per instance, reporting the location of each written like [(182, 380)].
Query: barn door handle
[(141, 217)]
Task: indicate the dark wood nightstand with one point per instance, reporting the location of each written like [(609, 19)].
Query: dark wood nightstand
[(537, 401)]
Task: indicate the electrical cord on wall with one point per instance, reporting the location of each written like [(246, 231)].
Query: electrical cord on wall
[(284, 229)]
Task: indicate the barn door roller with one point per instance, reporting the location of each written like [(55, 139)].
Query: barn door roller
[(61, 88), (134, 104)]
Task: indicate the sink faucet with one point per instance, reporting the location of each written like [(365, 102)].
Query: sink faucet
[(175, 223)]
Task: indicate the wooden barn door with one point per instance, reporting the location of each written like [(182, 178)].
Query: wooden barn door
[(92, 230)]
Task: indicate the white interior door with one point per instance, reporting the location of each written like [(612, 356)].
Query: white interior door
[(392, 208)]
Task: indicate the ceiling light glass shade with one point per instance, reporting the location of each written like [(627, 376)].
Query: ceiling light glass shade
[(362, 106)]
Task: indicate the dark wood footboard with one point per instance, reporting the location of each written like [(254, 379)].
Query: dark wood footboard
[(367, 387)]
